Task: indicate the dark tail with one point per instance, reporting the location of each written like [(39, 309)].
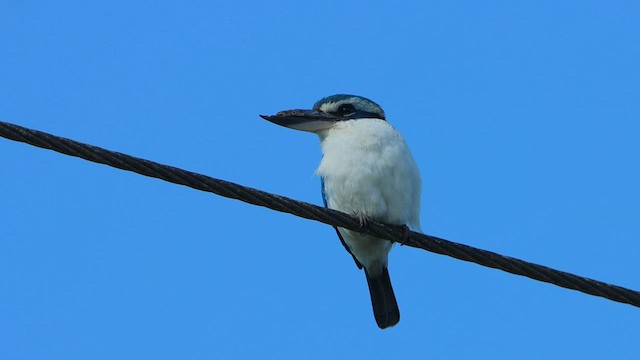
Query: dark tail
[(385, 307)]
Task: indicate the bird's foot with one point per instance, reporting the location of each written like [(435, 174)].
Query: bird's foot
[(364, 223), (406, 233)]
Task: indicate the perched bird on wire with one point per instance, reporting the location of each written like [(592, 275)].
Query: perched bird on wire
[(366, 170)]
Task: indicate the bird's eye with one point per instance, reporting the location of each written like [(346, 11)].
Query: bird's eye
[(346, 109)]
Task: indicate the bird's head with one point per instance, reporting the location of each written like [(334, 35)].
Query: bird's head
[(328, 111)]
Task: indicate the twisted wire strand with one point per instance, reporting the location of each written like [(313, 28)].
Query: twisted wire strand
[(317, 213)]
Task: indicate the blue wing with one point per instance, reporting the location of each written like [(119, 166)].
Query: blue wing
[(324, 200), (324, 194)]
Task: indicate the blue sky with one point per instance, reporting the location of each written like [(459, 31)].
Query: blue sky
[(522, 116)]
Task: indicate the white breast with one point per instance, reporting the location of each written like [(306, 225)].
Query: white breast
[(368, 169)]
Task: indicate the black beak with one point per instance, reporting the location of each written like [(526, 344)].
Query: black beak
[(305, 120)]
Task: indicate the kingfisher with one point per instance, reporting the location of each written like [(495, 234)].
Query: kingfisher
[(366, 170)]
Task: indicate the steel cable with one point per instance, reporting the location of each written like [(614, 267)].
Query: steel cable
[(314, 212)]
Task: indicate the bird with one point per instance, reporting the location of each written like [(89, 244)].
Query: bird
[(366, 170)]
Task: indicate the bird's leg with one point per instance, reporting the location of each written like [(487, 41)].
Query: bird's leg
[(363, 221), (405, 235)]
